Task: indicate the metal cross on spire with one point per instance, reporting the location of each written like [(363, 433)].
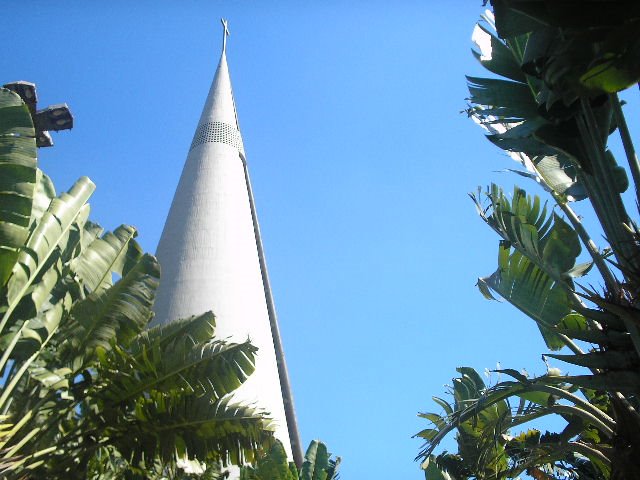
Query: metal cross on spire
[(53, 118), (225, 34)]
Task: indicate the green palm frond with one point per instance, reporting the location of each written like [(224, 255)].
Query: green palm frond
[(483, 420), (222, 431), (548, 241), (87, 391), (271, 465), (475, 435), (197, 329), (214, 368), (552, 107), (117, 314)]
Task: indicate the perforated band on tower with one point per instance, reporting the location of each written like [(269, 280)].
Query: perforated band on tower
[(217, 132)]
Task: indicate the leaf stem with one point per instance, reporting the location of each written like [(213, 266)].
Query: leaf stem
[(627, 405), (586, 406), (23, 368), (578, 412), (590, 245), (570, 344), (14, 341), (558, 452), (609, 209), (625, 136)]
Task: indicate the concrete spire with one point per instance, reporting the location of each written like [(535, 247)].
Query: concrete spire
[(212, 257)]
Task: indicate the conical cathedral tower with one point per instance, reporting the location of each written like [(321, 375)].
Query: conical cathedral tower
[(212, 257)]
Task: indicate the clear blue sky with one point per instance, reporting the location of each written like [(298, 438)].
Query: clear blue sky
[(360, 161)]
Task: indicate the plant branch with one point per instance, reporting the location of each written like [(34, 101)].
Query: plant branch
[(599, 414), (609, 280), (571, 344)]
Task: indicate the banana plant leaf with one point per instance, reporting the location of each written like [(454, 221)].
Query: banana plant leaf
[(608, 359), (510, 22), (47, 239), (318, 464), (37, 330), (221, 431), (626, 381), (521, 221), (44, 193), (526, 118), (114, 315), (545, 160), (520, 282), (493, 53), (18, 178), (214, 368), (113, 253), (589, 49), (433, 472), (475, 433), (196, 329), (542, 397), (510, 101), (274, 465)]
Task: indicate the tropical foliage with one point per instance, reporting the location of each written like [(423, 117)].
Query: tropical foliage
[(553, 104), (273, 465), (87, 391)]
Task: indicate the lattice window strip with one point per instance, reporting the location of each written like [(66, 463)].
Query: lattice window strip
[(217, 132)]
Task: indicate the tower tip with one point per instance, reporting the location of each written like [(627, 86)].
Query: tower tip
[(225, 33)]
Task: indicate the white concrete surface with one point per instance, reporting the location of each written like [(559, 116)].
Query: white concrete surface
[(208, 249)]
